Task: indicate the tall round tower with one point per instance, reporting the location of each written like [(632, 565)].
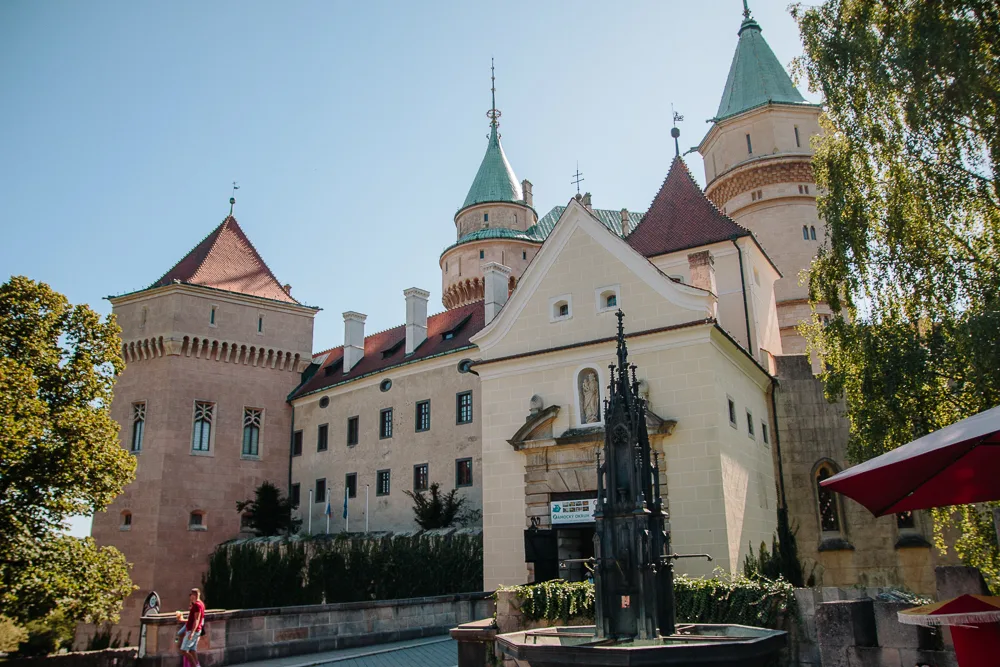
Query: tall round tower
[(758, 169), (495, 224)]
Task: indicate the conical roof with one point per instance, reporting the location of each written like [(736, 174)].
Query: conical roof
[(681, 217), (755, 77), (226, 260), (495, 181)]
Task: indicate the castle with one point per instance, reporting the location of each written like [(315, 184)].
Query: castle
[(501, 395)]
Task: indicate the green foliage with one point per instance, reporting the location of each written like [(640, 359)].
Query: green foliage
[(977, 538), (909, 167), (11, 635), (48, 635), (723, 599), (73, 575), (346, 568), (59, 454), (781, 562), (434, 510), (269, 513), (103, 638)]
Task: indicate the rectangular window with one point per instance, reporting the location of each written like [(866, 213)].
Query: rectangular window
[(385, 423), (211, 317), (351, 484), (297, 443), (252, 419), (382, 483), (905, 520), (138, 425), (463, 408), (260, 324), (763, 433), (420, 477), (204, 417), (732, 412), (463, 472), (322, 433), (320, 496), (352, 430), (482, 254), (296, 495), (797, 144), (423, 417), (750, 425), (524, 254), (749, 145)]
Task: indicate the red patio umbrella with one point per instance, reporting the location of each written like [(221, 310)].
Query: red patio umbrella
[(955, 465), (974, 626)]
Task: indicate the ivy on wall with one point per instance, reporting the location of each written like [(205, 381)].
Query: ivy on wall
[(257, 573)]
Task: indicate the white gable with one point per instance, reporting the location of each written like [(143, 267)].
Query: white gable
[(580, 264)]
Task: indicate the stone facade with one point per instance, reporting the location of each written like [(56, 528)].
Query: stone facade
[(462, 267), (440, 447), (205, 348), (864, 551)]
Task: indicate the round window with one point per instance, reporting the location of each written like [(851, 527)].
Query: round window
[(325, 401), (385, 385), (465, 366)]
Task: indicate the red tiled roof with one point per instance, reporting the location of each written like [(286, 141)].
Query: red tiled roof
[(386, 349), (681, 217), (226, 260)]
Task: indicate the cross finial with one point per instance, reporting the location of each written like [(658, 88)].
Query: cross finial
[(493, 114), (577, 178), (746, 10), (232, 199)]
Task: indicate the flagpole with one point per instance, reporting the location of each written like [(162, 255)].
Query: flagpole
[(309, 511), (328, 511), (347, 513), (366, 508)]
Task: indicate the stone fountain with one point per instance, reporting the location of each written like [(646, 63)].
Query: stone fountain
[(633, 565)]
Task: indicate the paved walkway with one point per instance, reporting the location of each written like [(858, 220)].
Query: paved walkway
[(427, 652)]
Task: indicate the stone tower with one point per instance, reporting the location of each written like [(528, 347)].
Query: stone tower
[(491, 226), (212, 349), (757, 169)]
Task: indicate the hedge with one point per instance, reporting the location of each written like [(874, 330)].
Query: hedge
[(270, 572)]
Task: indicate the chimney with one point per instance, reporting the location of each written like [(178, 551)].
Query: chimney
[(496, 277), (702, 266), (526, 190), (586, 201), (626, 222), (416, 317), (354, 339), (288, 289)]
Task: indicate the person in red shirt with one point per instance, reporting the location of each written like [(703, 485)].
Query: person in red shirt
[(192, 629)]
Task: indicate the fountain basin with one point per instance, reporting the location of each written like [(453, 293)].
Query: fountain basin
[(695, 644)]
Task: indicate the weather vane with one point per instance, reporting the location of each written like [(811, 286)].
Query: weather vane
[(674, 131), (493, 114), (232, 199), (577, 178)]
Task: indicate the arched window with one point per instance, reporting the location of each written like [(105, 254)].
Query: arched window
[(607, 298), (812, 233), (588, 389), (805, 232), (829, 511), (126, 523)]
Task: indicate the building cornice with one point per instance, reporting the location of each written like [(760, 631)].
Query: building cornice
[(217, 294)]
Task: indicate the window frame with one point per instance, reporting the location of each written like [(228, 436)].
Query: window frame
[(126, 520), (750, 428), (749, 145), (798, 143), (138, 430), (600, 295), (317, 496), (213, 416), (356, 422), (458, 483), (426, 474), (458, 408), (763, 433), (323, 437), (200, 524), (556, 301), (384, 426), (731, 411), (297, 443), (805, 232), (418, 425), (259, 426), (351, 490), (295, 495), (387, 473), (826, 494)]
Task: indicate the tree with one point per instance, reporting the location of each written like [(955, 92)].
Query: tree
[(436, 510), (59, 454), (909, 168), (269, 513)]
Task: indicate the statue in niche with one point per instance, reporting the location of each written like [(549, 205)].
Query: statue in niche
[(590, 397)]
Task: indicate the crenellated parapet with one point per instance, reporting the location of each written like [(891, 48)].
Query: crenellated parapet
[(211, 349)]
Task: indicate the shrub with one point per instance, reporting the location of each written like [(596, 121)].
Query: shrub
[(11, 635)]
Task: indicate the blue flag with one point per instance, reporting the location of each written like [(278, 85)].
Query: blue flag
[(329, 510), (345, 503)]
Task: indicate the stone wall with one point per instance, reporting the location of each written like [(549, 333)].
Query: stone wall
[(110, 657), (865, 551), (248, 635)]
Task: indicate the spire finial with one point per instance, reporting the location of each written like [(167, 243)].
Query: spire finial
[(232, 199), (493, 114), (746, 10), (675, 131), (577, 178)]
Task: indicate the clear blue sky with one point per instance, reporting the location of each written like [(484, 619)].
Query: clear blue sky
[(353, 129)]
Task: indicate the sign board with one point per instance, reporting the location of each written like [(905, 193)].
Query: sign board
[(572, 511)]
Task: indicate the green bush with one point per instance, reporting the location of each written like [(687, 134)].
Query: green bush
[(723, 599), (345, 568), (48, 635), (11, 635)]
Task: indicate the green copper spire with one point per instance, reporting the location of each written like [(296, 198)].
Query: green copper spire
[(755, 77), (495, 181)]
